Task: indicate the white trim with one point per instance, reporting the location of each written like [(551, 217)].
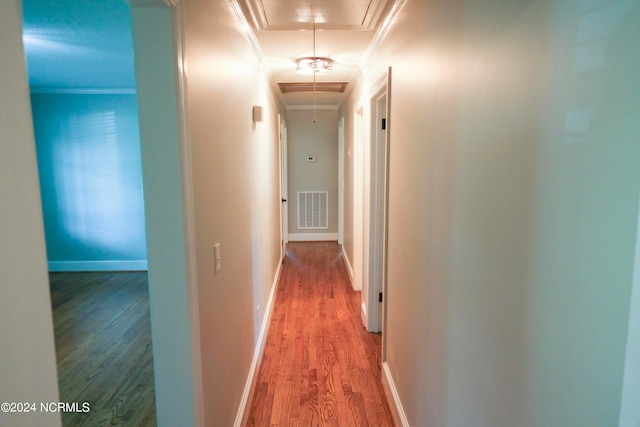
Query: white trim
[(179, 20), (375, 205), (284, 187), (349, 268), (380, 34), (247, 29), (341, 181), (257, 354), (394, 394), (313, 237), (82, 91), (250, 35), (111, 265), (358, 199), (382, 31)]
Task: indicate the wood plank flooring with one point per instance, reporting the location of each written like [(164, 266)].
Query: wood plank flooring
[(103, 346), (320, 366)]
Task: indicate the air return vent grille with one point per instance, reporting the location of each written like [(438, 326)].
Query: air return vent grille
[(313, 209)]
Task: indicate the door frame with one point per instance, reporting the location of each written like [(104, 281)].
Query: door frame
[(284, 188), (340, 180), (376, 205)]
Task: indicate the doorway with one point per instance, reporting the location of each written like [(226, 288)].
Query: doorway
[(340, 180), (88, 149), (284, 210), (376, 186)]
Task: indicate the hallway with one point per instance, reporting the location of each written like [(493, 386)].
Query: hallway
[(320, 366), (512, 228)]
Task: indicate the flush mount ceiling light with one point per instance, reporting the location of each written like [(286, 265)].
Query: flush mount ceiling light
[(313, 64)]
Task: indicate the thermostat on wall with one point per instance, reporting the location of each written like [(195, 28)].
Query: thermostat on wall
[(311, 158)]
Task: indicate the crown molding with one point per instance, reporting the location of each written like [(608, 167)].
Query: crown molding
[(256, 15), (383, 29), (82, 91)]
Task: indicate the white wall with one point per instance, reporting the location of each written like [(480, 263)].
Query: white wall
[(318, 139), (513, 208), (236, 197), (353, 154), (27, 359), (173, 305)]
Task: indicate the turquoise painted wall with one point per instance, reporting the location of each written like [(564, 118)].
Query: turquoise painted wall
[(88, 150)]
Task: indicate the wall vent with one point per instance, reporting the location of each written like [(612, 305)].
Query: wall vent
[(313, 210)]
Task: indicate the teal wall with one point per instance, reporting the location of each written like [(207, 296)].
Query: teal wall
[(88, 150)]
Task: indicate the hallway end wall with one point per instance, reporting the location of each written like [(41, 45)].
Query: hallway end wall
[(319, 140)]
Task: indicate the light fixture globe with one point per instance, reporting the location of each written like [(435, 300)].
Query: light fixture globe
[(313, 64)]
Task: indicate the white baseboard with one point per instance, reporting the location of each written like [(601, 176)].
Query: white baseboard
[(257, 355), (399, 410), (313, 237), (116, 265), (349, 267)]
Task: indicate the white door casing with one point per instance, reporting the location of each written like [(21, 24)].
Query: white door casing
[(284, 210), (375, 206)]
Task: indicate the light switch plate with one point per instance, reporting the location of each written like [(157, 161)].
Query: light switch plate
[(216, 257)]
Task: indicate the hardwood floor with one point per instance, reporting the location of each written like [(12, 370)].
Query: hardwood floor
[(103, 347), (320, 366)]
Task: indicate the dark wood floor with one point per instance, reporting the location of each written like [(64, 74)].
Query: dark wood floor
[(103, 347), (320, 366)]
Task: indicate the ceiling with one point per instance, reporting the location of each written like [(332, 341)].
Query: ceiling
[(87, 44), (72, 44), (283, 31)]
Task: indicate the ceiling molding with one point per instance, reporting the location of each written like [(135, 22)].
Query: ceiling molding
[(82, 91), (390, 16), (255, 13), (247, 29), (376, 8), (308, 87), (278, 31)]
